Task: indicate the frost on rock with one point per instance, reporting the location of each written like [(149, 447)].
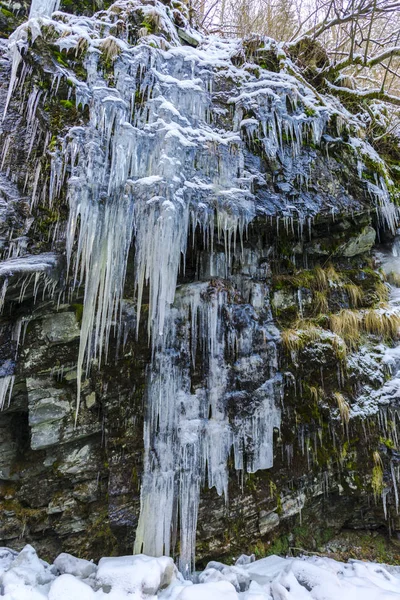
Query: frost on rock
[(381, 364), (159, 155)]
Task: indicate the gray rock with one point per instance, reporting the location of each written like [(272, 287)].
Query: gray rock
[(60, 328), (360, 244), (284, 299), (292, 506), (268, 521), (66, 563), (48, 409), (45, 434)]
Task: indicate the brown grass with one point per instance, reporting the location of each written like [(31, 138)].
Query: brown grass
[(305, 332), (343, 406), (316, 393), (110, 49), (320, 303), (355, 294), (331, 273), (320, 278), (291, 340), (347, 324), (394, 279), (381, 291), (383, 325)]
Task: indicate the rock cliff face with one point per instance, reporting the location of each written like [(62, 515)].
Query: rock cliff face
[(196, 335)]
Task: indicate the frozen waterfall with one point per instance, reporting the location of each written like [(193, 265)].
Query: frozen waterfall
[(158, 159)]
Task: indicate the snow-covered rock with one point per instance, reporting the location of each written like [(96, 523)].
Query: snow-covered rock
[(68, 587), (216, 590), (140, 574), (24, 576), (66, 563)]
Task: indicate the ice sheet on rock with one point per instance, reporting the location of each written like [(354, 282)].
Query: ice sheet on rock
[(43, 8), (66, 563), (31, 263)]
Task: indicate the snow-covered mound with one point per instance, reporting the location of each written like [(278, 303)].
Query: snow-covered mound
[(24, 576)]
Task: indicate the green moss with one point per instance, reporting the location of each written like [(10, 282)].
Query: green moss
[(148, 24), (7, 13), (78, 308), (310, 112), (67, 104), (60, 58), (388, 443)]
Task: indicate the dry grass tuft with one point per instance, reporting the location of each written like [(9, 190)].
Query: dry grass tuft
[(377, 459), (291, 340), (316, 393), (332, 275), (306, 332), (383, 325), (143, 32), (355, 294), (377, 475), (320, 303), (321, 279), (110, 49), (381, 292), (394, 279), (81, 47), (347, 324), (343, 406), (339, 348)]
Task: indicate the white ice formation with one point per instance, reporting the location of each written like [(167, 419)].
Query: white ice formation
[(24, 576)]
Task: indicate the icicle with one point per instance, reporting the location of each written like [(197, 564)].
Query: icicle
[(3, 294), (43, 8), (396, 493), (6, 385)]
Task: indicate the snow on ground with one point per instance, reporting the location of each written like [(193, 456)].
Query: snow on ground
[(23, 576)]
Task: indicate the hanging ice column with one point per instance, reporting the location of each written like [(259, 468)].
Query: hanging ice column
[(43, 8), (188, 433), (113, 187)]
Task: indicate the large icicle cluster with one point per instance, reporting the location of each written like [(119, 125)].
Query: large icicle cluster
[(188, 433), (160, 156)]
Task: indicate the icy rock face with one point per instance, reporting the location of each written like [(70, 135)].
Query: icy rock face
[(188, 433), (178, 152)]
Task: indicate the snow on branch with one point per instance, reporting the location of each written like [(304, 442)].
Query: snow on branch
[(375, 94)]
